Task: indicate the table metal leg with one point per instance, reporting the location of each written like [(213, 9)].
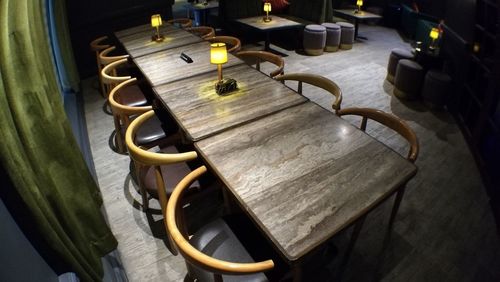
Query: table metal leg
[(266, 44)]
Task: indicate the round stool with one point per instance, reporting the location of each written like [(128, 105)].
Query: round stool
[(396, 55), (346, 35), (408, 80), (314, 39), (436, 88), (332, 37)]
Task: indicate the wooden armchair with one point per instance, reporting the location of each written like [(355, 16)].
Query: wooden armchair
[(156, 172), (182, 22), (318, 81), (396, 124), (233, 44), (263, 56), (97, 46), (202, 31), (216, 260), (124, 111), (110, 79)]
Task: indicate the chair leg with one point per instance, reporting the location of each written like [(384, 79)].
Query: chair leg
[(395, 207), (350, 247)]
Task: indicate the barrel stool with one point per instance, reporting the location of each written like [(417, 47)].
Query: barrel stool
[(346, 35), (396, 55), (436, 88), (408, 80), (332, 37), (314, 39)]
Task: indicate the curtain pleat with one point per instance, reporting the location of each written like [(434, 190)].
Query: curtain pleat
[(38, 149)]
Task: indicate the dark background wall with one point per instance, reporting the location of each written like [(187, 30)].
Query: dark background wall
[(94, 18)]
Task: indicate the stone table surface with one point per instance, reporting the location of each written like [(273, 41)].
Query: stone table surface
[(167, 66), (303, 174), (200, 112), (275, 23)]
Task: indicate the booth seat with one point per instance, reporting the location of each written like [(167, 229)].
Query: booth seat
[(410, 19)]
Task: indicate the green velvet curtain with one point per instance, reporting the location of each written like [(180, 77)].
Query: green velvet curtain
[(38, 149)]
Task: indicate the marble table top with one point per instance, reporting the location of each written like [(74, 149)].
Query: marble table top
[(140, 43), (276, 23), (360, 15), (200, 112), (303, 174), (167, 66)]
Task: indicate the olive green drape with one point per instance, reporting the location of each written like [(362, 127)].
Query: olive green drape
[(38, 149)]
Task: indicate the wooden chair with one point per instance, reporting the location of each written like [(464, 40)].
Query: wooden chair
[(202, 31), (233, 44), (182, 22), (97, 46), (217, 259), (124, 111), (110, 79), (396, 124), (318, 81), (156, 172), (264, 56)]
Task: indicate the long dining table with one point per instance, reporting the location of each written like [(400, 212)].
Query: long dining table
[(301, 173)]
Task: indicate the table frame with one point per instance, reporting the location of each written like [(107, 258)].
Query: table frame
[(357, 17)]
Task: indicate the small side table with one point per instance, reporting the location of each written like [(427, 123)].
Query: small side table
[(429, 59)]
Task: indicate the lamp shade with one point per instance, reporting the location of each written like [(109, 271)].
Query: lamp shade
[(156, 20), (267, 7), (218, 53), (434, 34), (359, 2)]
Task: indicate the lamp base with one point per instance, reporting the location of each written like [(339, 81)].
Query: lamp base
[(225, 86), (267, 19), (157, 38)]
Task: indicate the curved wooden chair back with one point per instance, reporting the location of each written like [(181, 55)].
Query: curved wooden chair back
[(183, 22), (109, 75), (144, 157), (105, 58), (97, 46), (202, 31), (389, 120), (233, 44), (318, 81), (264, 56), (174, 224), (122, 113)]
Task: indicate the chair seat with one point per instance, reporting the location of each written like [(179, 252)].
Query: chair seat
[(217, 240), (172, 174), (132, 96)]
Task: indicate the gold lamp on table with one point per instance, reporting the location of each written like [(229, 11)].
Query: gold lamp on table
[(434, 34), (359, 3), (156, 22), (218, 56), (267, 9)]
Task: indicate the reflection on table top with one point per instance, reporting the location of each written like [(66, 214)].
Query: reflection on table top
[(201, 112), (303, 174), (167, 66), (275, 23), (140, 43)]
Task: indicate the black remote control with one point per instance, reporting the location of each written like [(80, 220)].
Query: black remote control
[(186, 58)]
